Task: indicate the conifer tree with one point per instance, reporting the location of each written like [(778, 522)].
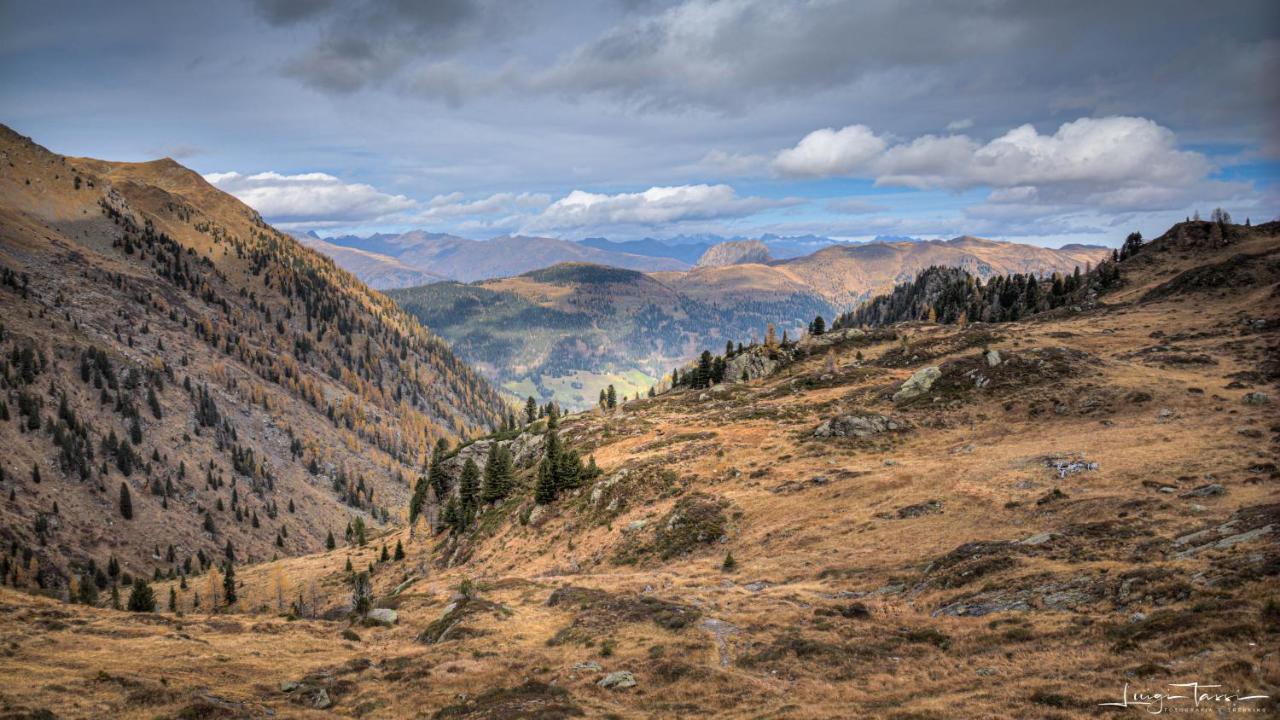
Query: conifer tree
[(399, 551), (468, 491), (544, 492), (611, 397), (173, 599), (530, 410), (385, 556), (229, 584), (329, 542), (87, 593), (141, 598), (126, 502), (435, 475)]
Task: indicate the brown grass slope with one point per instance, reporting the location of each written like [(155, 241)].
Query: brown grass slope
[(1098, 508), (321, 394)]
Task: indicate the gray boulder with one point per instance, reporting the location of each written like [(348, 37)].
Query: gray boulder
[(859, 426), (383, 616), (918, 384), (619, 680)]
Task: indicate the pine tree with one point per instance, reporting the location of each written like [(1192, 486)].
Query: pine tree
[(399, 551), (818, 326), (492, 490), (229, 583), (115, 597), (141, 598), (329, 542), (729, 564), (604, 401), (611, 398), (385, 556), (530, 410), (451, 516), (126, 502), (87, 593), (544, 493), (435, 475), (468, 491), (173, 599)]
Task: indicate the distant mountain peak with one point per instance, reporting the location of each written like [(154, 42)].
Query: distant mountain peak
[(735, 252)]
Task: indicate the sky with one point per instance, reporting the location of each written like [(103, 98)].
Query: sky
[(1033, 121)]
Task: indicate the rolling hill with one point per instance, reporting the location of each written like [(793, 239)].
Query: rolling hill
[(455, 258)]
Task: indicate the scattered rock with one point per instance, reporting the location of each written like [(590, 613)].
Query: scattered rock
[(618, 680), (721, 631), (993, 358), (1165, 415), (588, 667), (1210, 490), (1070, 464), (383, 616), (918, 384), (321, 700), (928, 507), (860, 426), (1038, 539), (1257, 398)]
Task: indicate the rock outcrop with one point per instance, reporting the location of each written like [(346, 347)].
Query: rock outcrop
[(860, 426), (918, 384)]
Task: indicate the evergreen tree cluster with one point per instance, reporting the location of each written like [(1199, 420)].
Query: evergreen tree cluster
[(951, 295)]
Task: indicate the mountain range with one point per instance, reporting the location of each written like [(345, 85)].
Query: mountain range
[(568, 331), (394, 260)]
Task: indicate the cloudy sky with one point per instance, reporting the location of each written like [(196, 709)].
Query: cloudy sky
[(1046, 122)]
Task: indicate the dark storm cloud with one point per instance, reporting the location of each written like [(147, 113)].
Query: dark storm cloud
[(287, 12), (363, 44)]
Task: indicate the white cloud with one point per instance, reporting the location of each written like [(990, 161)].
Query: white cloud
[(728, 164), (657, 205), (1117, 162), (317, 198), (827, 152), (451, 205), (958, 125)]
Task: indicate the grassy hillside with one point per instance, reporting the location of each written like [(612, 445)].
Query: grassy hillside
[(178, 378), (1082, 501)]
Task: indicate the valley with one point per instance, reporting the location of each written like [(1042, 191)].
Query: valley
[(918, 520)]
